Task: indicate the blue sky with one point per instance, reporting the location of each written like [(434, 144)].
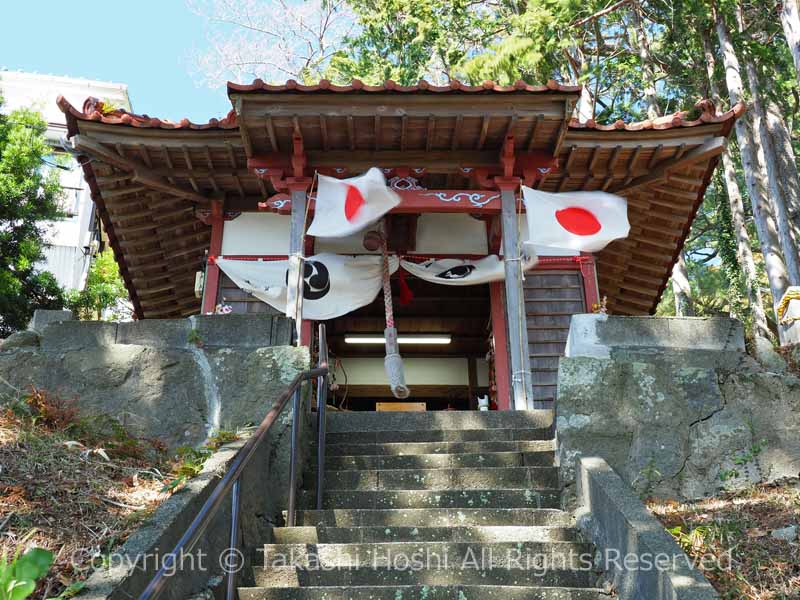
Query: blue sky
[(145, 44)]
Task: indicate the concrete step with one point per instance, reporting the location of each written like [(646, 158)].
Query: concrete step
[(439, 435), (422, 592), (439, 479), (436, 420), (408, 448), (543, 458), (446, 498), (434, 517), (440, 555), (488, 534), (407, 575)]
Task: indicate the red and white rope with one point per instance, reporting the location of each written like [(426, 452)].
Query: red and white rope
[(387, 287)]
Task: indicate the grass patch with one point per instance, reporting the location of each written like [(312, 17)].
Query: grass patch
[(79, 485), (736, 528)]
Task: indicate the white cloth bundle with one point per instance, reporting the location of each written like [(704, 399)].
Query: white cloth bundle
[(457, 271), (333, 284)]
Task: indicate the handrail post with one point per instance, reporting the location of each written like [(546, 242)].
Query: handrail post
[(232, 561), (290, 520), (322, 401)]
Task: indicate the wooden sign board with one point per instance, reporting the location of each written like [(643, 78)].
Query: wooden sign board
[(400, 406)]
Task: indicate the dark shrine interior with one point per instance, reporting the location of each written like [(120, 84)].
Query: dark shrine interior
[(463, 313)]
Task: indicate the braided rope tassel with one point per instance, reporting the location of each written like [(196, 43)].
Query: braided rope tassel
[(387, 288), (393, 363)]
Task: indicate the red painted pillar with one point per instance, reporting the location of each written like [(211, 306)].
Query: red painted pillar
[(211, 288), (502, 371), (589, 273)]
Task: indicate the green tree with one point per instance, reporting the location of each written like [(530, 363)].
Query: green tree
[(409, 40), (536, 43), (104, 289), (29, 195)]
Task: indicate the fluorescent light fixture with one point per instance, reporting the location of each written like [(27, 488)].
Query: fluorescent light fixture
[(422, 339)]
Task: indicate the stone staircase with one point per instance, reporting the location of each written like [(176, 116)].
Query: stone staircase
[(426, 506)]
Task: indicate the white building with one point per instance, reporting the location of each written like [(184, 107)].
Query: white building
[(70, 239)]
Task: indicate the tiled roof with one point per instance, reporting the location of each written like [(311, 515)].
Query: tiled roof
[(708, 114), (94, 110), (390, 86)]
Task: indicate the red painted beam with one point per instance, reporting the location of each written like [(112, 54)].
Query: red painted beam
[(415, 202)]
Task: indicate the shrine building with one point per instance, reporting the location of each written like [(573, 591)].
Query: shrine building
[(174, 197)]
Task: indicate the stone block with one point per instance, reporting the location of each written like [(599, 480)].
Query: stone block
[(583, 339), (598, 336), (697, 333), (239, 330), (672, 423), (42, 318), (75, 335), (156, 333), (764, 352), (249, 381)]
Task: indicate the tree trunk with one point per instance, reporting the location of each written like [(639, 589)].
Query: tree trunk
[(682, 289), (790, 18), (744, 250), (779, 183), (762, 210), (646, 61), (584, 110), (684, 306), (785, 164)]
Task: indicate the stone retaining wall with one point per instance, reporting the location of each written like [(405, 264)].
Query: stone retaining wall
[(163, 378), (633, 548), (677, 408), (173, 379)]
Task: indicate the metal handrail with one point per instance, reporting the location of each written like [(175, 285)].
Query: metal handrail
[(322, 402), (230, 482)]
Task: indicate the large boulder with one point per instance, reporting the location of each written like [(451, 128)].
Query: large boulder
[(20, 339)]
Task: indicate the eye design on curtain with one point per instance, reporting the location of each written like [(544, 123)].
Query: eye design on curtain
[(459, 272)]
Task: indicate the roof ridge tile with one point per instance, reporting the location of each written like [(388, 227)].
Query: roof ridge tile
[(708, 115), (95, 110)]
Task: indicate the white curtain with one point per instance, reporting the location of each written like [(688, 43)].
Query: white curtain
[(334, 284)]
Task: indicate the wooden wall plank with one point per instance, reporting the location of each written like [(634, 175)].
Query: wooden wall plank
[(551, 298)]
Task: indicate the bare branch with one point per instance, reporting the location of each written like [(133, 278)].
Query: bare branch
[(272, 40), (601, 13)]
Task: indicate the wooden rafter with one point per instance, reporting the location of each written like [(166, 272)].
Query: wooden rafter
[(484, 131), (711, 148), (271, 133), (141, 174)]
